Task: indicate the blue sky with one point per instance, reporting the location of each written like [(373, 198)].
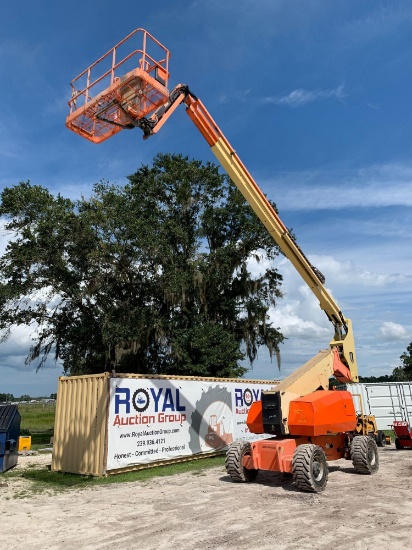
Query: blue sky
[(313, 95)]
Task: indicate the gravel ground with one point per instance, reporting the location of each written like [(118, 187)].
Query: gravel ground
[(207, 510)]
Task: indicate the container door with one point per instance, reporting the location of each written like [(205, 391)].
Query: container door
[(385, 403), (405, 392)]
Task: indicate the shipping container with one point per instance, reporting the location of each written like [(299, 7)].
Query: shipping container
[(80, 424), (107, 423)]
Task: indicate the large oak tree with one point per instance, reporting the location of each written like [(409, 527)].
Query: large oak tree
[(149, 277)]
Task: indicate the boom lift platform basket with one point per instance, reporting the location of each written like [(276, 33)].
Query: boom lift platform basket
[(125, 84)]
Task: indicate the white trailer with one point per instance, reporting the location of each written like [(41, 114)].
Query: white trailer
[(387, 401)]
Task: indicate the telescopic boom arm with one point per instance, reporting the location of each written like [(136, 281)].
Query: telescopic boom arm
[(344, 359)]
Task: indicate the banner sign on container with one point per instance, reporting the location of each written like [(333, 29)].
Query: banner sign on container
[(157, 419), (243, 395)]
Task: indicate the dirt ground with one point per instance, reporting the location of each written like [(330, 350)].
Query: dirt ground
[(207, 510)]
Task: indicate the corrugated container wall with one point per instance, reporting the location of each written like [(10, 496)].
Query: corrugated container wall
[(80, 425), (81, 437)]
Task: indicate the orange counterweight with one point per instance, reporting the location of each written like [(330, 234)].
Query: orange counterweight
[(322, 413)]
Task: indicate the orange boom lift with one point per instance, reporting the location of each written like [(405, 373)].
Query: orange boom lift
[(128, 88)]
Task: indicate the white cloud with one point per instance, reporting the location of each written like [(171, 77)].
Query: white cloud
[(347, 273), (393, 331), (242, 95), (287, 318), (350, 279), (18, 342), (364, 295), (376, 186), (375, 24), (300, 97), (296, 98), (223, 98), (298, 313)]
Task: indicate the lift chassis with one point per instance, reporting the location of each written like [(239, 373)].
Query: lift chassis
[(308, 423)]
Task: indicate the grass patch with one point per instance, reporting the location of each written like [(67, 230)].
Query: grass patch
[(44, 479), (40, 439), (37, 417), (37, 420)]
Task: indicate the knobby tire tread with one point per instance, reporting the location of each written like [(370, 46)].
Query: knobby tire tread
[(360, 458), (233, 462), (301, 467)]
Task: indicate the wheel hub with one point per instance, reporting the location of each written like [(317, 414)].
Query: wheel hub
[(317, 470)]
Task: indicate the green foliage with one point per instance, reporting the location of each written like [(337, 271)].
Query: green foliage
[(37, 417), (404, 372), (375, 379), (151, 277), (25, 397), (6, 397)]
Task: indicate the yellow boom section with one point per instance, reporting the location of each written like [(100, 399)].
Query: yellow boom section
[(263, 209), (343, 339)]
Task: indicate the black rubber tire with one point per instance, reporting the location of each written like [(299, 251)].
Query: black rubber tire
[(233, 462), (380, 439), (310, 468), (398, 444), (365, 456)]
